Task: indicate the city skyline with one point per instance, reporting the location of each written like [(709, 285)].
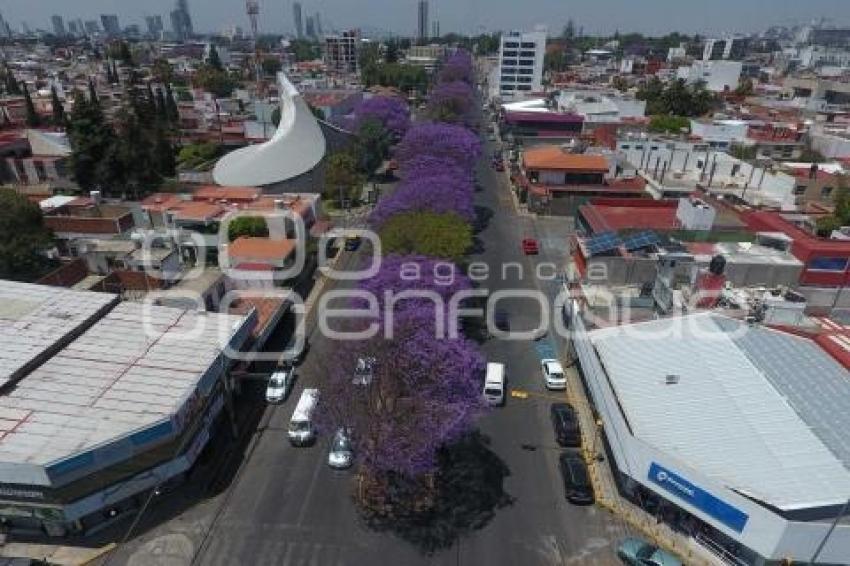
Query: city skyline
[(652, 17)]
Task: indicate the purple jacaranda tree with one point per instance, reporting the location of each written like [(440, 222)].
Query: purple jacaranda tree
[(449, 142), (429, 165), (438, 193), (424, 392), (457, 67), (451, 102), (391, 112)]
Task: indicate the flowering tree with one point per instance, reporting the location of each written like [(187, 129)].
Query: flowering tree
[(449, 142), (429, 165), (458, 67), (440, 193), (424, 392), (451, 102), (391, 112)]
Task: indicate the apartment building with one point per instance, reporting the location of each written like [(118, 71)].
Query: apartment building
[(520, 63)]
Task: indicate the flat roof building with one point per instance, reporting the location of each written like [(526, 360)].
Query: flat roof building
[(742, 429), (107, 413)]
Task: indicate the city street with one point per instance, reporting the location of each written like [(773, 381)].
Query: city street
[(286, 506)]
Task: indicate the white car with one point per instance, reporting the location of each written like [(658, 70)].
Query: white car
[(553, 374), (341, 454), (280, 384)]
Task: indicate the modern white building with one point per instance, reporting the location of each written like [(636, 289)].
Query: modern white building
[(718, 76), (520, 63), (740, 431)]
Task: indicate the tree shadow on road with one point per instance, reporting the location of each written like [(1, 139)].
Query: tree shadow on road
[(483, 215), (468, 490)]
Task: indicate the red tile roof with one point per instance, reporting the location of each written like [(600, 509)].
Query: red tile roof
[(603, 215), (258, 249), (554, 157), (227, 193)]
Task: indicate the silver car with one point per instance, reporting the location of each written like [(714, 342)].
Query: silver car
[(341, 455), (280, 384)]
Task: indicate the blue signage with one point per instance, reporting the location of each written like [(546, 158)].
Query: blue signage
[(730, 516)]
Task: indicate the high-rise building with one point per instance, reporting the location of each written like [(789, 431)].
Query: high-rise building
[(5, 30), (296, 18), (73, 29), (110, 24), (183, 6), (435, 28), (422, 30), (181, 21), (154, 25), (311, 28), (340, 52), (521, 62), (92, 27), (318, 19), (58, 25)]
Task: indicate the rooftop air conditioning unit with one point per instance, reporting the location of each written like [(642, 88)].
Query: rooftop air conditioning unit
[(671, 379)]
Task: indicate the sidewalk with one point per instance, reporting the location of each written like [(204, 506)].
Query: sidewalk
[(54, 554)]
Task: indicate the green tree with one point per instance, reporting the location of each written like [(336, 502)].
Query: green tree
[(373, 145), (745, 87), (161, 71), (249, 226), (217, 82), (12, 86), (23, 238), (445, 236), (161, 107), (213, 60), (392, 55), (342, 179), (171, 105), (58, 108), (195, 154), (668, 123), (164, 153), (33, 119), (91, 136), (271, 66), (677, 98), (93, 95), (304, 50)]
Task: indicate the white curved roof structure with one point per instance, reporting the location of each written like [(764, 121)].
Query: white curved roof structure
[(296, 147)]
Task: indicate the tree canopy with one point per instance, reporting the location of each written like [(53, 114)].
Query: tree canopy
[(342, 178), (23, 238), (446, 236), (249, 226), (677, 98)]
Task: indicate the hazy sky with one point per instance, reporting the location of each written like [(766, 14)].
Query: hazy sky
[(647, 16)]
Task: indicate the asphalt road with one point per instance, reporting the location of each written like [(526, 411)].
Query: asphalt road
[(287, 506)]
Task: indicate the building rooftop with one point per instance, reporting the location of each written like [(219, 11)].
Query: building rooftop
[(132, 370), (556, 157), (34, 319), (254, 249), (603, 215), (760, 411)]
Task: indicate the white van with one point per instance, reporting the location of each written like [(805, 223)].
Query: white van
[(301, 429), (494, 384)]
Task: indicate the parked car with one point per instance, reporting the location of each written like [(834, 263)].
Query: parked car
[(638, 552), (498, 165), (553, 374), (297, 354), (530, 246), (302, 431), (352, 243), (363, 370), (565, 422), (341, 454), (280, 384), (494, 384), (577, 486)]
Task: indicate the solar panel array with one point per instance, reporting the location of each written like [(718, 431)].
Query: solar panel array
[(601, 243), (641, 240)]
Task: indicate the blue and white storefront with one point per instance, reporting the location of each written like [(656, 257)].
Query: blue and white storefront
[(723, 494)]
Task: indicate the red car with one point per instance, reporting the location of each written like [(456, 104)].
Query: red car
[(530, 246)]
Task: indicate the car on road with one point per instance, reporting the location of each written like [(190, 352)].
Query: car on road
[(363, 370), (280, 384), (352, 243), (499, 166), (637, 552), (577, 486), (494, 384), (553, 374), (302, 430), (341, 454), (565, 422), (530, 246)]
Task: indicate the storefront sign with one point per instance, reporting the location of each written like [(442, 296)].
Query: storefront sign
[(673, 483)]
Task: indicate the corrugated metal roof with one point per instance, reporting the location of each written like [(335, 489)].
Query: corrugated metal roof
[(742, 413), (130, 370)]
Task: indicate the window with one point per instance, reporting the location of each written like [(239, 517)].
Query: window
[(526, 53), (508, 53), (827, 264), (507, 87), (512, 44), (625, 146), (524, 87), (639, 147), (508, 79), (800, 190), (40, 171), (527, 62), (525, 71), (826, 192), (524, 79), (528, 45)]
